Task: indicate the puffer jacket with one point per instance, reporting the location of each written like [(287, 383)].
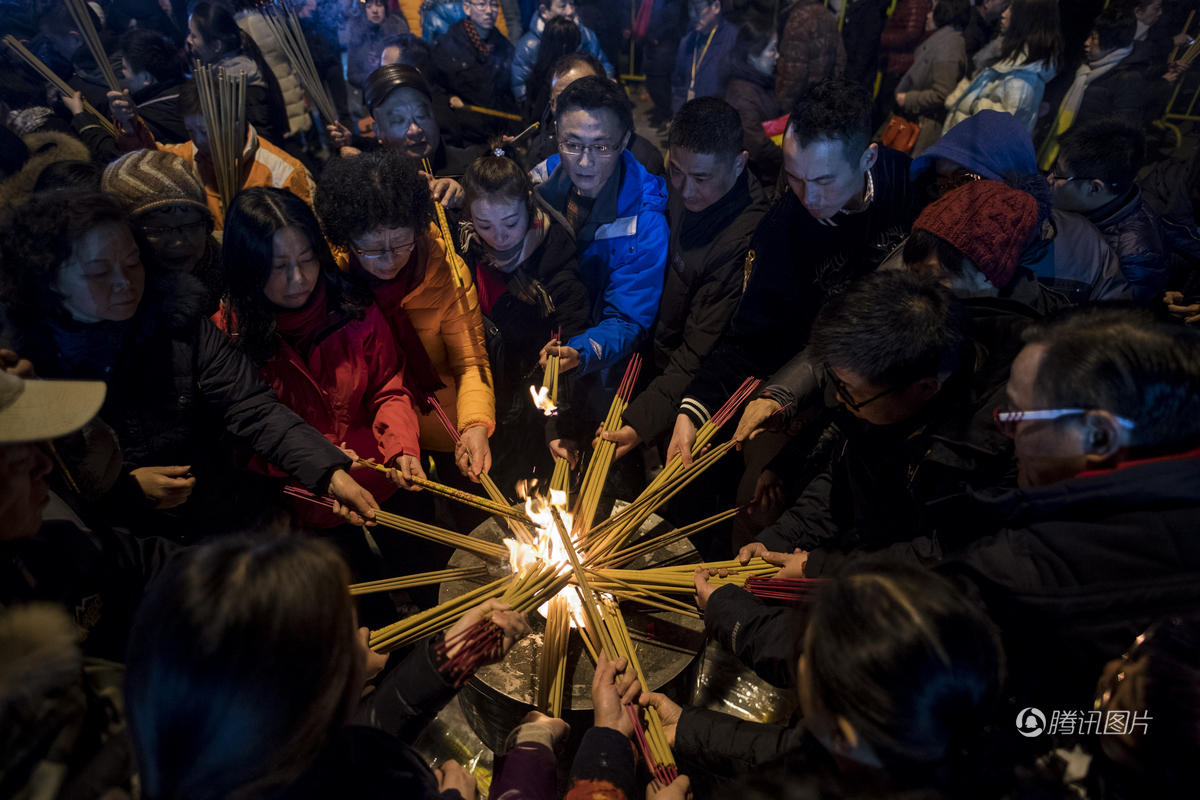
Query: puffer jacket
[(349, 385), (1132, 230), (622, 258), (938, 64), (810, 50), (256, 27), (438, 16), (904, 30), (1073, 258), (174, 383), (448, 321), (263, 164), (1012, 85), (704, 283), (527, 50)]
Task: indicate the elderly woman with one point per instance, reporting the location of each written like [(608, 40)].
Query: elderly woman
[(79, 304)]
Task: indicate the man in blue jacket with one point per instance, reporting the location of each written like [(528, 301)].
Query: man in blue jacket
[(527, 48), (617, 210)]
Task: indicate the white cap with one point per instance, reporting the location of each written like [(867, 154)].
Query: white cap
[(37, 410)]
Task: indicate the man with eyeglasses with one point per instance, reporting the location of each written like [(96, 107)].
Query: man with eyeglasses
[(475, 62), (1095, 175), (906, 423), (616, 209)]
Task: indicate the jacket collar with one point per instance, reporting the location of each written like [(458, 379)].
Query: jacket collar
[(608, 203), (1118, 208)]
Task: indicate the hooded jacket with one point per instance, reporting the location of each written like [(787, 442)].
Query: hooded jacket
[(704, 283), (1012, 85), (1133, 232), (622, 258), (525, 57)]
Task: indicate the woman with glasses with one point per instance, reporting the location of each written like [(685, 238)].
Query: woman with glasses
[(376, 209), (475, 64), (166, 205), (320, 342)]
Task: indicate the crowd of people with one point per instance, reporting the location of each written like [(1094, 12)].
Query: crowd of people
[(954, 242)]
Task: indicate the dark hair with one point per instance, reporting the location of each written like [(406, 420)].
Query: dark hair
[(560, 37), (1129, 364), (215, 23), (955, 13), (379, 189), (189, 100), (1115, 27), (835, 109), (578, 59), (754, 34), (594, 93), (414, 51), (242, 662), (921, 244), (913, 665), (493, 174), (1034, 33), (892, 328), (149, 51), (255, 215), (83, 175), (707, 125), (39, 238), (1109, 150)]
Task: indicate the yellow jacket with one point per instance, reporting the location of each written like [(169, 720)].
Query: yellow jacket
[(449, 324)]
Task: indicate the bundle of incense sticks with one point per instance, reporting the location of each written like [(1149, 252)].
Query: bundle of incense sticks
[(81, 15), (432, 620), (49, 76), (681, 579), (457, 267), (546, 400), (485, 550), (285, 25), (223, 105), (646, 546), (602, 456), (418, 579), (793, 590), (560, 480), (552, 667)]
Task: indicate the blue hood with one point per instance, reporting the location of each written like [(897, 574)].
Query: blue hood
[(991, 143)]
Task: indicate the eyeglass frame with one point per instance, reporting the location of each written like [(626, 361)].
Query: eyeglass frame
[(597, 151), (1054, 177), (1007, 417), (484, 3), (843, 391), (379, 255)]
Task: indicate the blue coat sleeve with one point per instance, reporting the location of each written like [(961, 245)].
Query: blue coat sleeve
[(631, 297), (523, 60)]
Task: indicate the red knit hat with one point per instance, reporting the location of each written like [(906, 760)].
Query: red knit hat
[(989, 222)]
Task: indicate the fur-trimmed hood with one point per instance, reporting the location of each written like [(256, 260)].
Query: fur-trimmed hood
[(45, 148)]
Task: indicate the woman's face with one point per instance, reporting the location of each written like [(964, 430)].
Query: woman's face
[(294, 269), (500, 221), (1005, 19), (930, 25), (765, 61), (196, 46), (383, 252), (176, 235), (103, 279)]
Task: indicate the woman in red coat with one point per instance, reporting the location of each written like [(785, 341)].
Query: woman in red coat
[(324, 348)]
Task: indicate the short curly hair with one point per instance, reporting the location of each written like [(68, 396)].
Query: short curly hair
[(39, 238), (378, 189)]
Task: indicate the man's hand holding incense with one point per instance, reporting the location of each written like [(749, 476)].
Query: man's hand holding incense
[(704, 589), (513, 624), (73, 102), (473, 454), (668, 711), (678, 789), (565, 448), (165, 487), (404, 469), (754, 419), (448, 192), (613, 688), (351, 501), (453, 775), (682, 439), (625, 437), (568, 357), (339, 135), (752, 550), (122, 107), (791, 564)]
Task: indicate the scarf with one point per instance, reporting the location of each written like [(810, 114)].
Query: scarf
[(701, 227), (477, 41), (301, 327), (499, 271), (1069, 107)]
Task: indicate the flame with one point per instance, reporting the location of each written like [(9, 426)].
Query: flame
[(546, 547), (541, 400)]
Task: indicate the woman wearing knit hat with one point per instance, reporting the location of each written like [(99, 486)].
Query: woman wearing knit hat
[(165, 202)]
